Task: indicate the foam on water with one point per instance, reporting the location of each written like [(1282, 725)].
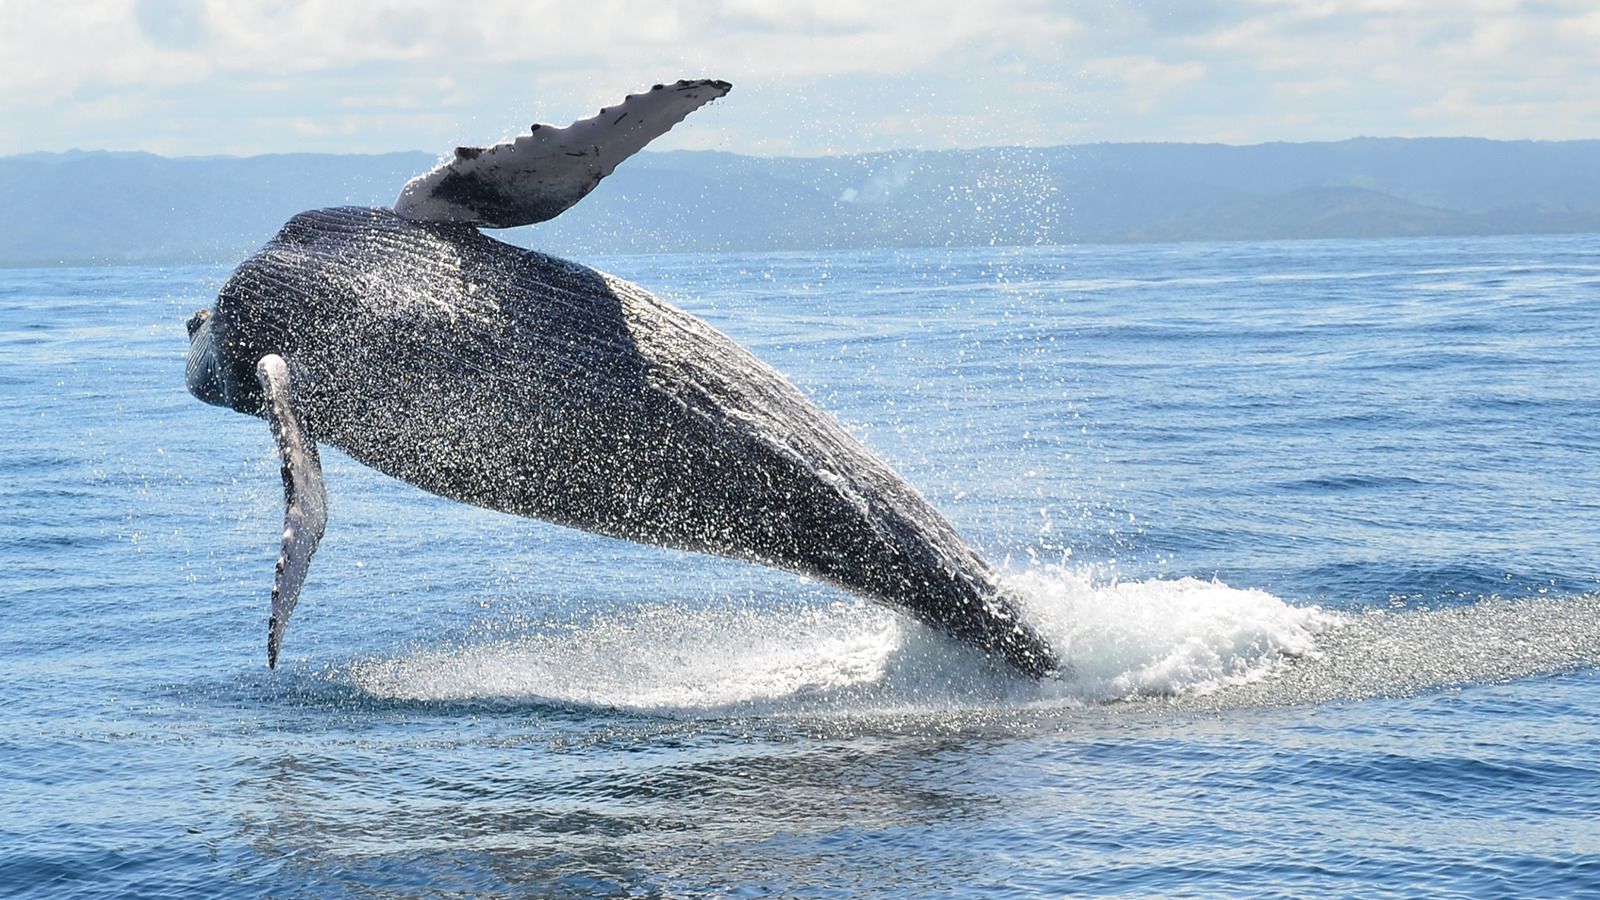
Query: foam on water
[(1119, 639), (1407, 651), (658, 658), (1164, 637)]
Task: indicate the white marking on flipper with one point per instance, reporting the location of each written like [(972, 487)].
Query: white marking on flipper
[(539, 175), (305, 502)]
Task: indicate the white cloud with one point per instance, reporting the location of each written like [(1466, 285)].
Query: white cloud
[(1146, 79), (205, 76)]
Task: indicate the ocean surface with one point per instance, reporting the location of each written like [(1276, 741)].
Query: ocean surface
[(1315, 524)]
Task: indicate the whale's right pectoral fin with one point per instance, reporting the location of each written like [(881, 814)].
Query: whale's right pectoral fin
[(305, 512)]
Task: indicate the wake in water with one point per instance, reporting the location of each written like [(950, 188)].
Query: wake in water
[(1384, 653), (1163, 638), (1181, 642)]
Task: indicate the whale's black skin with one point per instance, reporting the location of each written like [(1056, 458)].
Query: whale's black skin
[(524, 383)]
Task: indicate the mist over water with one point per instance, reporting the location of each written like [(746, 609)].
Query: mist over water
[(1309, 523)]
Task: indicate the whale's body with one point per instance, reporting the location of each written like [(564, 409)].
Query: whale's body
[(516, 381)]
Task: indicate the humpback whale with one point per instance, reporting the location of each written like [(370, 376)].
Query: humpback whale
[(517, 381)]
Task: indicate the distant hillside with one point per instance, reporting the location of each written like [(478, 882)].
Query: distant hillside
[(73, 208), (96, 207)]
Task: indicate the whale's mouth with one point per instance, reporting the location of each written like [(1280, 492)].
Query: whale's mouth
[(204, 372)]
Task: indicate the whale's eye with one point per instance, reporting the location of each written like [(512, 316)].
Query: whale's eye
[(195, 321)]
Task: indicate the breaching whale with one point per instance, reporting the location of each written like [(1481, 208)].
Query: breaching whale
[(528, 384)]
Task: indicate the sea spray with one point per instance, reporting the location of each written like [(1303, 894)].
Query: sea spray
[(1162, 637), (663, 658), (1121, 639)]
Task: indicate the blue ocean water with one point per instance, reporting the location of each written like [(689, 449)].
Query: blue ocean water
[(1316, 524)]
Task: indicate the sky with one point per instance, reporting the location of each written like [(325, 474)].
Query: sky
[(203, 77)]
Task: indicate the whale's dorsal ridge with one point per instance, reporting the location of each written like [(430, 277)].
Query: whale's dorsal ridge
[(540, 174)]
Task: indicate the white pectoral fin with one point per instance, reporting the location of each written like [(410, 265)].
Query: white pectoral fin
[(305, 512), (537, 176)]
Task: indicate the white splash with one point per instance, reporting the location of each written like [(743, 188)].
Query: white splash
[(1163, 637), (660, 658), (1120, 639)]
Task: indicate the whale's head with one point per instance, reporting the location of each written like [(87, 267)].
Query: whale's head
[(221, 369), (206, 375)]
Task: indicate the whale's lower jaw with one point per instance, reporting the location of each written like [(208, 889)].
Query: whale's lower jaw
[(535, 386)]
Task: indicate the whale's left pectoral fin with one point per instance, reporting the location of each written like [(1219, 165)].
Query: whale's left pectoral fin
[(538, 175), (305, 512)]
